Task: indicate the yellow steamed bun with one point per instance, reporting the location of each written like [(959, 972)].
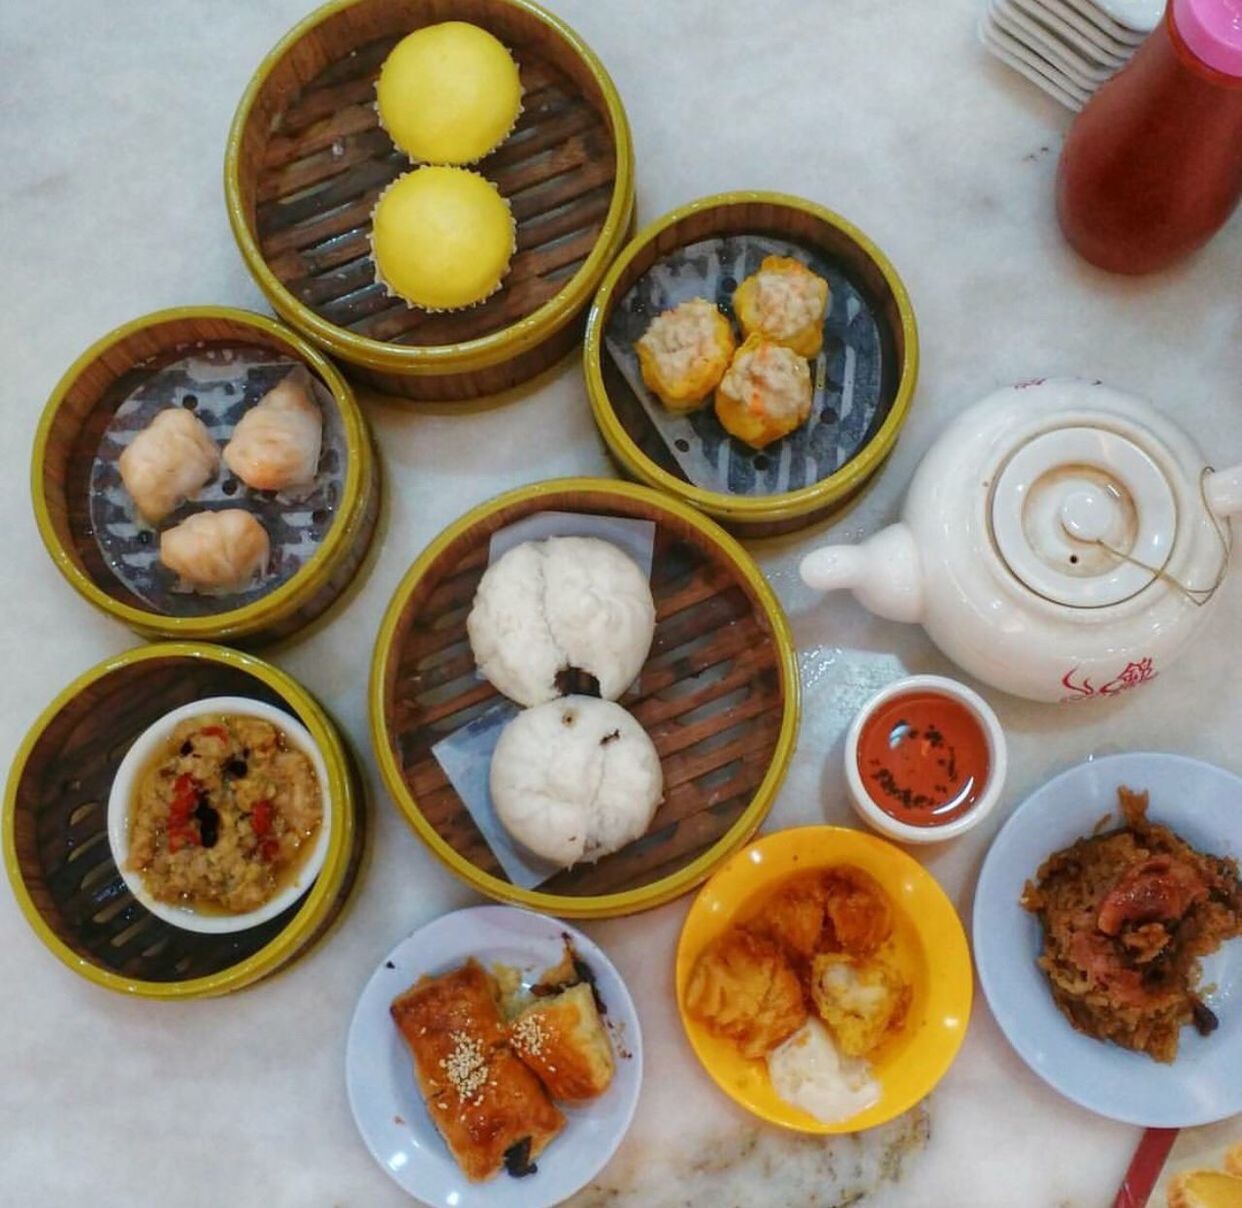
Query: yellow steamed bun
[(449, 93), (442, 238)]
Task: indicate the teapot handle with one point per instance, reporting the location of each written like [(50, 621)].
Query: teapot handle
[(1222, 489)]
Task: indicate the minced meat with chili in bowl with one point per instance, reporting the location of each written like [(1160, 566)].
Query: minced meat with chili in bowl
[(221, 815)]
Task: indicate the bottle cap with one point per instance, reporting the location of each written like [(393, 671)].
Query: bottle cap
[(1212, 32)]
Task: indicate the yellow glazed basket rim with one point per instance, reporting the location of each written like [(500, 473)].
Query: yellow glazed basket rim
[(321, 899), (470, 355), (666, 888), (788, 505), (926, 908), (309, 578)]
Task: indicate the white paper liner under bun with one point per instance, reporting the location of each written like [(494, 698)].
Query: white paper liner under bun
[(393, 292)]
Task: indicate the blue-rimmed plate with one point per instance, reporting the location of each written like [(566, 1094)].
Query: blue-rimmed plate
[(1203, 804), (384, 1094)]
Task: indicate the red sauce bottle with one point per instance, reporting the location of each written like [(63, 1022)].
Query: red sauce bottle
[(1152, 167)]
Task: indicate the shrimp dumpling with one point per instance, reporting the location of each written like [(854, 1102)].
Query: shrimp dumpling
[(170, 459), (276, 443), (216, 552)]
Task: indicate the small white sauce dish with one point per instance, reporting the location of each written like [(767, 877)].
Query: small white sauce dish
[(146, 747), (879, 819)]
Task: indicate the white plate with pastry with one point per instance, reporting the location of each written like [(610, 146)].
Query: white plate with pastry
[(494, 1059)]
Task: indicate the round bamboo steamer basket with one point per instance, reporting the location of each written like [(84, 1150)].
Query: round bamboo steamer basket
[(628, 432), (56, 849), (718, 695), (307, 160), (82, 405)]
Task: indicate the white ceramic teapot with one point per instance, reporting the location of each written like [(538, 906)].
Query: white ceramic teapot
[(1060, 541)]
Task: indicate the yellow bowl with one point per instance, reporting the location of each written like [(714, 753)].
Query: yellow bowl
[(628, 431), (306, 160), (718, 695), (930, 950), (56, 849), (69, 430)]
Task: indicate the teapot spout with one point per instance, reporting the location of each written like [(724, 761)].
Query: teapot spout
[(1223, 491), (885, 573)]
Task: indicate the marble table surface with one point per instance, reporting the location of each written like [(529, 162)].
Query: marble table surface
[(112, 136)]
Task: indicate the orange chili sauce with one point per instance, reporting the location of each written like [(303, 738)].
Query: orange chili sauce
[(923, 758)]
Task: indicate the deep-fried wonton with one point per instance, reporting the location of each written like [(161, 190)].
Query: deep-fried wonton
[(742, 987)]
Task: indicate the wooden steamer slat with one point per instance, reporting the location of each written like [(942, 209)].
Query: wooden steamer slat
[(710, 696)]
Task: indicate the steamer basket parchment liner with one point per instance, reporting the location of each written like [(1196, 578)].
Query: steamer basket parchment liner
[(55, 828), (307, 160), (718, 696)]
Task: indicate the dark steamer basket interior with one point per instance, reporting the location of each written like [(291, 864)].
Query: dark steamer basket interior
[(316, 160), (61, 824), (710, 696)]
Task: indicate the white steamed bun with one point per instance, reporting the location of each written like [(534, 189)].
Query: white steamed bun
[(575, 779), (566, 602)]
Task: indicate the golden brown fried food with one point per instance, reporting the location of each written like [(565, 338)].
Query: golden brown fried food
[(563, 1040), (794, 916), (858, 910), (861, 999), (742, 987)]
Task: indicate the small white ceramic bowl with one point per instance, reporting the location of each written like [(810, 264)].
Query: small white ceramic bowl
[(124, 784), (885, 823)]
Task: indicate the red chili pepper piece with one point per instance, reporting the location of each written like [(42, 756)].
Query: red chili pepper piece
[(261, 818), (269, 849), (215, 732)]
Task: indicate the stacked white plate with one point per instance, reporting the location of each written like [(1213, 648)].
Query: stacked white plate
[(1068, 47)]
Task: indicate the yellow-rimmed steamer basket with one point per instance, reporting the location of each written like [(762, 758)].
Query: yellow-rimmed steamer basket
[(307, 160), (112, 373), (718, 695), (630, 434), (56, 848)]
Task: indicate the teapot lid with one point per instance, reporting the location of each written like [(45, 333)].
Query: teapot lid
[(1083, 516)]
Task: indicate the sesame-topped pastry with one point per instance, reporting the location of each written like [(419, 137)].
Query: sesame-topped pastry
[(562, 1039), (685, 352), (490, 1108), (766, 393), (448, 93), (785, 302)]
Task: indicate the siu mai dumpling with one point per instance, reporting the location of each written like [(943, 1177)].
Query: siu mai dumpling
[(170, 459), (276, 443), (216, 552)]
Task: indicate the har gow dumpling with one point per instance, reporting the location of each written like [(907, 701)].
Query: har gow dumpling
[(276, 443), (575, 779), (216, 552), (559, 605), (170, 459)]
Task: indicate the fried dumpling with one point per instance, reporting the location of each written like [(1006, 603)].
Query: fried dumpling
[(170, 459), (216, 552), (861, 999), (743, 988), (276, 443)]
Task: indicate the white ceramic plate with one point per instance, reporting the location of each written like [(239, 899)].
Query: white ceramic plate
[(1203, 804), (384, 1095)]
